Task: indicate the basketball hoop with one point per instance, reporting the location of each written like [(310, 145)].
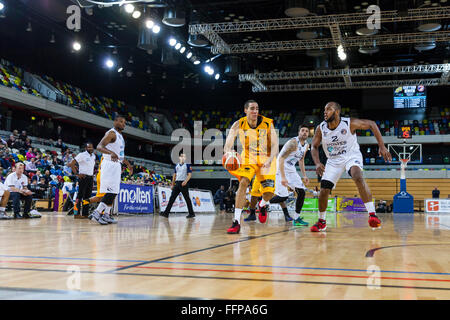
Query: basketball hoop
[(404, 162)]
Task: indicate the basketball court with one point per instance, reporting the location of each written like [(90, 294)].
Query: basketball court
[(153, 258)]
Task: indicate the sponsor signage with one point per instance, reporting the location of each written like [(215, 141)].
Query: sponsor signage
[(135, 199)]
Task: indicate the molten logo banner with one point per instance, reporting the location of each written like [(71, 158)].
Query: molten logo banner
[(135, 199)]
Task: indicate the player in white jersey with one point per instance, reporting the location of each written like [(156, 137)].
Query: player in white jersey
[(293, 152), (338, 137), (112, 147)]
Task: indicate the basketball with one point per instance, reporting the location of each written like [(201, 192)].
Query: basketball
[(231, 161)]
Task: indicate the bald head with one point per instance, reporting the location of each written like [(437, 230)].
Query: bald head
[(334, 105), (332, 112)]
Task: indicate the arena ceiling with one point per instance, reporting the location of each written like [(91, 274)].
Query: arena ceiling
[(144, 71)]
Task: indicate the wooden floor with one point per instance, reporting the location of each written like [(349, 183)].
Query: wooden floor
[(154, 258)]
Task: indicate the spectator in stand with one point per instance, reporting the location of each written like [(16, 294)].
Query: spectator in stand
[(43, 187), (50, 126), (37, 176), (27, 143), (57, 163), (435, 193), (17, 184), (44, 163), (4, 163), (381, 208), (229, 199), (59, 132), (23, 136), (219, 197), (29, 155), (12, 142), (31, 166), (47, 177), (61, 145), (34, 187), (15, 134)]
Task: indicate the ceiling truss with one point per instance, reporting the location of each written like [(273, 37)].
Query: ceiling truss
[(346, 74)]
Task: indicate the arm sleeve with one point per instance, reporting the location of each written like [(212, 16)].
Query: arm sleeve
[(78, 158), (189, 169)]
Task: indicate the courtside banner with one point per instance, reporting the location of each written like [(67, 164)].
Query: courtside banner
[(135, 199), (201, 201), (310, 204), (351, 204), (437, 205)]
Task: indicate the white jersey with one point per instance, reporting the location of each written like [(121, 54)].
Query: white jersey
[(294, 157), (118, 146), (339, 144)]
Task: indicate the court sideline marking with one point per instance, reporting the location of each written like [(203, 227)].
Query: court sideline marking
[(371, 252), (239, 279), (199, 250)]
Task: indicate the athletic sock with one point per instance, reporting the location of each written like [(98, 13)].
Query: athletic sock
[(323, 215), (295, 216), (2, 209), (285, 211), (262, 203), (237, 215), (370, 207), (107, 210), (101, 207)]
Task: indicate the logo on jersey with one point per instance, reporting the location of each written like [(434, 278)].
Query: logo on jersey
[(325, 133), (344, 131), (330, 149)]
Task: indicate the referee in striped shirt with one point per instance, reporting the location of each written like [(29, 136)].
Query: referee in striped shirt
[(181, 177)]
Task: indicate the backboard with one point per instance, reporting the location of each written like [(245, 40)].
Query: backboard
[(410, 151)]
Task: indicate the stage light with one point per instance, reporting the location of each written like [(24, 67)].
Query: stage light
[(182, 50), (129, 8), (208, 70), (172, 42), (156, 28), (197, 62), (109, 63), (177, 46), (149, 23), (2, 6), (136, 14), (217, 76), (76, 46), (120, 70), (189, 55), (52, 39)]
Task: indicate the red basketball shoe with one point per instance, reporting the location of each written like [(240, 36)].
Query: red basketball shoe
[(320, 226), (235, 228), (262, 215), (374, 221)]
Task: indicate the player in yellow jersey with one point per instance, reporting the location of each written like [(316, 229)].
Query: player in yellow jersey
[(259, 142)]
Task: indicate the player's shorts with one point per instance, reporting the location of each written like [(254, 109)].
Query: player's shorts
[(294, 181), (256, 188), (2, 189), (333, 171), (99, 194), (110, 176), (266, 176)]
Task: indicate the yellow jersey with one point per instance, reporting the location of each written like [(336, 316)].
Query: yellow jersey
[(256, 142)]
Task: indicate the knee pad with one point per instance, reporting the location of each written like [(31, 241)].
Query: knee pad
[(108, 199), (300, 192), (325, 184), (278, 199)]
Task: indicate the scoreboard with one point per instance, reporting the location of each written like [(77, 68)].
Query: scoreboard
[(410, 97)]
